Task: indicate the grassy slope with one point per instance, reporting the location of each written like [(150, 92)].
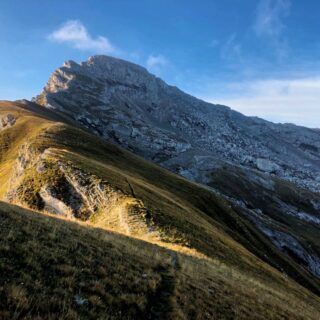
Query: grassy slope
[(176, 204), (234, 182), (48, 263), (206, 223)]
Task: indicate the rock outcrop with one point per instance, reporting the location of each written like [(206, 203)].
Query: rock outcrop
[(7, 121), (45, 184)]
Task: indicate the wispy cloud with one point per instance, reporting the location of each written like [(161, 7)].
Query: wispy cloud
[(279, 100), (269, 18), (156, 61), (270, 24), (73, 32), (231, 49)]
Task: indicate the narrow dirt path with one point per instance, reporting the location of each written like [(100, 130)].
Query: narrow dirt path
[(162, 304)]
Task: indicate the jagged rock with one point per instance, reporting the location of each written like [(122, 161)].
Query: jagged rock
[(7, 121), (54, 205), (77, 194)]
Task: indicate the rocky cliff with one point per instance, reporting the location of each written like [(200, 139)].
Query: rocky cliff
[(124, 103)]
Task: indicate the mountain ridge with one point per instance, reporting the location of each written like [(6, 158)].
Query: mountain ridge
[(122, 102)]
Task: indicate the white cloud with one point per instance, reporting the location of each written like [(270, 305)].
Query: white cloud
[(75, 33), (231, 49), (286, 100), (156, 61), (269, 18), (270, 26)]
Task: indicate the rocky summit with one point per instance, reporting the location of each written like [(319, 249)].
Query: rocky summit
[(122, 102)]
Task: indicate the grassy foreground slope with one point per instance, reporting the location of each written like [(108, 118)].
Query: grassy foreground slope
[(56, 269), (179, 251)]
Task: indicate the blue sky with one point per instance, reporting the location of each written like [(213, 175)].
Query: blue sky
[(261, 57)]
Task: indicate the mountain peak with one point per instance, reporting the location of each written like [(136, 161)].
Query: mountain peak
[(122, 102), (114, 69), (95, 73), (109, 62), (70, 64)]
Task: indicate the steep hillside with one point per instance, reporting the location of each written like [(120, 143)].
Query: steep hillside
[(199, 245)]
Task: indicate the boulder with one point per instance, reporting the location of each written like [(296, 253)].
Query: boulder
[(266, 165)]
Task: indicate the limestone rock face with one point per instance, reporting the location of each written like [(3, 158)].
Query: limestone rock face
[(125, 104)]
